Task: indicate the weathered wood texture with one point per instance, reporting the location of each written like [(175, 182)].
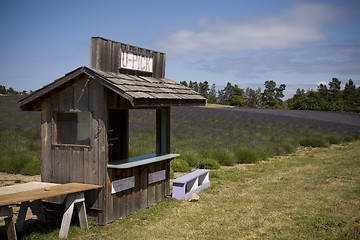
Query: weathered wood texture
[(63, 163), (36, 194), (82, 164), (141, 91), (143, 195), (105, 55), (135, 91)]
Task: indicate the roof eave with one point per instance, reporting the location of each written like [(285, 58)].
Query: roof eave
[(168, 102), (29, 103)]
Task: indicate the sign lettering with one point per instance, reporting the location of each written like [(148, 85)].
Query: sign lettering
[(136, 62)]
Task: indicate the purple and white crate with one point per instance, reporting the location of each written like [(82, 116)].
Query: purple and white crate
[(194, 182)]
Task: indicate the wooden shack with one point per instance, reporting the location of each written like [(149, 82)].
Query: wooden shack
[(85, 127)]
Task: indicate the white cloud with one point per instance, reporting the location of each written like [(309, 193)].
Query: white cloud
[(322, 82), (302, 23)]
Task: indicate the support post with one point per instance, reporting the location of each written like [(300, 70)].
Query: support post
[(71, 200), (36, 208), (7, 213)]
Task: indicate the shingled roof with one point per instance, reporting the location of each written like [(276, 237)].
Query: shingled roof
[(138, 90)]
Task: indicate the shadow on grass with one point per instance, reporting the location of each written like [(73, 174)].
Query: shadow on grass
[(34, 229)]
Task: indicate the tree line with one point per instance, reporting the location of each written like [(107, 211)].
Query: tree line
[(331, 98), (10, 91), (233, 95)]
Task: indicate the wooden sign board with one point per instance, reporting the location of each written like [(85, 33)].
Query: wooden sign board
[(122, 184), (156, 176), (136, 62)]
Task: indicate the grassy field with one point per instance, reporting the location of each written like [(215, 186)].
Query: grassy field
[(311, 194)]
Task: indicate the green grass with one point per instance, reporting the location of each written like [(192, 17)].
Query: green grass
[(20, 151), (311, 194), (179, 165)]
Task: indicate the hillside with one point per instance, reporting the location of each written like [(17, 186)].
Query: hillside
[(201, 135)]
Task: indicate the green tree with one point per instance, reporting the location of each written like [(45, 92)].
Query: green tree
[(204, 89), (184, 83), (2, 89), (299, 93), (221, 99), (194, 86), (328, 99), (253, 98), (272, 95), (237, 101), (351, 98), (228, 92), (336, 102), (212, 94), (335, 84), (11, 91), (237, 98)]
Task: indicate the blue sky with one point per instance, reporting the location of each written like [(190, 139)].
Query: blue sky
[(298, 43)]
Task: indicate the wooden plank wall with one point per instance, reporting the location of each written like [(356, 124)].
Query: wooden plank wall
[(105, 55), (64, 164), (143, 195)]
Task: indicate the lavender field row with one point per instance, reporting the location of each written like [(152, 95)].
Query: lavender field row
[(205, 137), (239, 135)]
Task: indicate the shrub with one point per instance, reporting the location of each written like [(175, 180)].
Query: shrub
[(14, 162), (265, 151), (278, 149), (289, 148), (191, 157), (32, 167), (348, 139), (332, 139), (172, 173), (15, 158), (34, 146), (208, 163), (224, 156), (179, 165), (312, 142), (32, 133), (246, 155)]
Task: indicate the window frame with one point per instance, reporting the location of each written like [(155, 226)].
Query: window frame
[(55, 130)]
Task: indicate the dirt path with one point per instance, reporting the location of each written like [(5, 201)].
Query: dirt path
[(7, 179)]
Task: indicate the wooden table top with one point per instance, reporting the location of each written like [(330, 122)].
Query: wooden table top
[(40, 193)]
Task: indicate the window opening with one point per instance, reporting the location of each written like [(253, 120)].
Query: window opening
[(72, 128), (142, 132)]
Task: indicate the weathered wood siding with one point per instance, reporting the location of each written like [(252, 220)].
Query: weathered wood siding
[(66, 163), (143, 195), (105, 55)]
